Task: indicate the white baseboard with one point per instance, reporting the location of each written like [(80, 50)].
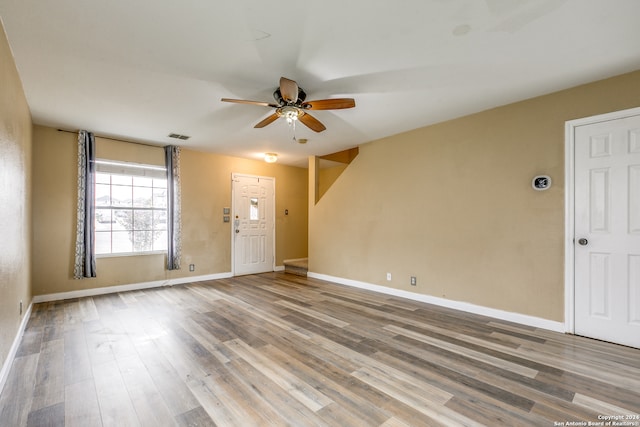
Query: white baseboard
[(278, 268), (6, 366), (522, 319), (123, 288)]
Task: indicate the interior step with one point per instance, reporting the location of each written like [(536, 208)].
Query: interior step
[(298, 266)]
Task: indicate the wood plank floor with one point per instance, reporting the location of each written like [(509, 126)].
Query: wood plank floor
[(277, 349)]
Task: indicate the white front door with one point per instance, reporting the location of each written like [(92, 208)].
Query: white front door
[(607, 230), (253, 225)]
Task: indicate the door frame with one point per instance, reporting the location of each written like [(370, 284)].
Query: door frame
[(233, 215), (569, 206)]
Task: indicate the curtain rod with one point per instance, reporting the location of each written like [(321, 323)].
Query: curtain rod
[(113, 139)]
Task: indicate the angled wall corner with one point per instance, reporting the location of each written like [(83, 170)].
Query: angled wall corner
[(330, 167)]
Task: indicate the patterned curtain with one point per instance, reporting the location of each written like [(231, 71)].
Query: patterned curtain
[(174, 248), (85, 259)]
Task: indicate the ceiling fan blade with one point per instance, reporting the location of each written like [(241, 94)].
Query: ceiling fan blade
[(288, 90), (330, 104), (311, 122), (272, 118), (244, 101)]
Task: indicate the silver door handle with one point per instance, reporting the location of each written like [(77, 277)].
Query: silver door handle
[(583, 242)]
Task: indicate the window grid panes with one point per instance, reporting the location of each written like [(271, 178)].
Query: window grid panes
[(131, 214)]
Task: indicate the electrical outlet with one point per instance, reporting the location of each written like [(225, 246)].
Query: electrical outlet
[(413, 280), (192, 267), (388, 276)]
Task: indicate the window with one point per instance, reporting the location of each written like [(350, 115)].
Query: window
[(253, 209), (131, 208)]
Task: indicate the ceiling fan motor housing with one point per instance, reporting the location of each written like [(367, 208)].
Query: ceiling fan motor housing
[(302, 95)]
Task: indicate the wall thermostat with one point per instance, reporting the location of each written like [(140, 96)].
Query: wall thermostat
[(541, 182)]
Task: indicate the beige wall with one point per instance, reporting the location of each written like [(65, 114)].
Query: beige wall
[(453, 205), (15, 193), (327, 176), (206, 189)]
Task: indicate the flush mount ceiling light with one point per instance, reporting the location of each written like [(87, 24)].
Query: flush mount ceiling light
[(270, 157)]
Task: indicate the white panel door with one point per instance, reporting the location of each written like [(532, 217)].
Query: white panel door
[(607, 231), (253, 224)]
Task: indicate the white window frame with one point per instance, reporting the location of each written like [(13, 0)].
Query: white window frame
[(134, 170)]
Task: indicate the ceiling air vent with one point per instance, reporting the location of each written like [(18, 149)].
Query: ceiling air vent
[(178, 136)]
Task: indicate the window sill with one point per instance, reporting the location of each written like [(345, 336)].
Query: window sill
[(129, 254)]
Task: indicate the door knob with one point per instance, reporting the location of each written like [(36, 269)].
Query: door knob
[(237, 231), (583, 242)]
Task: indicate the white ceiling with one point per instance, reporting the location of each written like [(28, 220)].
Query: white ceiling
[(139, 70)]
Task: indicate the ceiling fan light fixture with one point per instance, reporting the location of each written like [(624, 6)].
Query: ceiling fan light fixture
[(291, 116), (270, 157), (290, 113)]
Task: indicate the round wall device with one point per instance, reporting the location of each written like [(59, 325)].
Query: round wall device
[(541, 182)]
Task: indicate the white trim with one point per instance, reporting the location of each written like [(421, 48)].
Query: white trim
[(569, 206), (6, 366), (278, 268), (569, 227), (233, 226), (128, 254), (130, 168), (123, 288), (522, 319)]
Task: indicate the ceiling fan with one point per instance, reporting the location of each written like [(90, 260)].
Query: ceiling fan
[(291, 104)]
